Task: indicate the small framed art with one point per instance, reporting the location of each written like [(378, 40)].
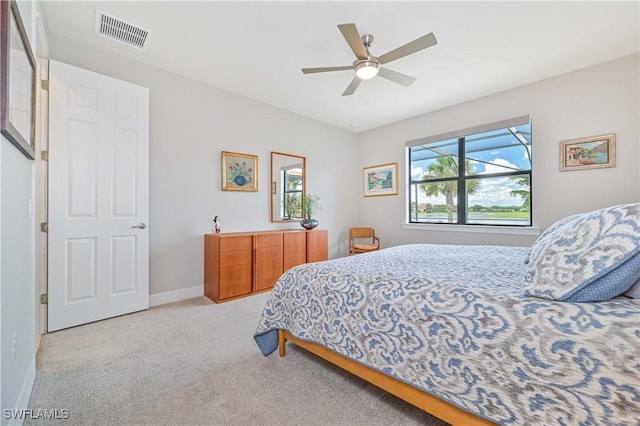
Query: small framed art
[(380, 180), (239, 172), (588, 153), (17, 81)]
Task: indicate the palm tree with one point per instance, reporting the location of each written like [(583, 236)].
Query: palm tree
[(525, 193), (446, 167)]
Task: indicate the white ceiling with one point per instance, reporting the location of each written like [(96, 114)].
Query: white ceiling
[(256, 49)]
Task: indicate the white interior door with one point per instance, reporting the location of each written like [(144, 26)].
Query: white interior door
[(98, 197)]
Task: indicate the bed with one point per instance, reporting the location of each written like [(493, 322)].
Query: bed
[(481, 334)]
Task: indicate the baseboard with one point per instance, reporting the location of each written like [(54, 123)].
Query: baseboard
[(176, 295), (25, 394)]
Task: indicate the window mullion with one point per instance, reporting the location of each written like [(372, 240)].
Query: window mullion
[(461, 181), (416, 202)]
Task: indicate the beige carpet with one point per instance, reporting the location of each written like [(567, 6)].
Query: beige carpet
[(195, 363)]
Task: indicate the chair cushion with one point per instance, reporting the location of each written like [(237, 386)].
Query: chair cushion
[(365, 246)]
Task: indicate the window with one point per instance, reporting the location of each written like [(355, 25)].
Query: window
[(479, 176), (291, 202)]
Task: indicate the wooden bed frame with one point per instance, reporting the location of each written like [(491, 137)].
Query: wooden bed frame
[(423, 400)]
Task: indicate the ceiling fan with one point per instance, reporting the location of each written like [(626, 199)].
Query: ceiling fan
[(367, 66)]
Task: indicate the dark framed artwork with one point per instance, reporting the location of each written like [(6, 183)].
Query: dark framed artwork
[(17, 81)]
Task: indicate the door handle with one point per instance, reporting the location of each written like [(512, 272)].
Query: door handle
[(141, 226)]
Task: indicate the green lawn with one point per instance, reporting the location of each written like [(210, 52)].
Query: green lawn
[(477, 215), (500, 215)]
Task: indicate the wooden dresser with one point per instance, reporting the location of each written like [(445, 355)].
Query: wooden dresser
[(242, 263)]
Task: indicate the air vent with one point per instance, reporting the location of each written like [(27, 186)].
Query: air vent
[(119, 30)]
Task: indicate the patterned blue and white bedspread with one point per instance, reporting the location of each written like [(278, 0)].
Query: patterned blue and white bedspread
[(451, 321)]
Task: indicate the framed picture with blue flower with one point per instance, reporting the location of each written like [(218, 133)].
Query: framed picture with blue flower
[(239, 172)]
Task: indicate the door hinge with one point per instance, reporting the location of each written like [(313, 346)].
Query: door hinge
[(44, 299), (44, 155), (45, 85), (44, 227)]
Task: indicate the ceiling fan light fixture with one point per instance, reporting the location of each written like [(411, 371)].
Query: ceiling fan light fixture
[(366, 69), (366, 66)]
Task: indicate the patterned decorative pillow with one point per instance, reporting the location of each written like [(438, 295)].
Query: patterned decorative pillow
[(593, 257), (548, 233)]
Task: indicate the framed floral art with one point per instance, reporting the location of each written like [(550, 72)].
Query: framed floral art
[(239, 172)]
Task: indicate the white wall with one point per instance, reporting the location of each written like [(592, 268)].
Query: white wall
[(597, 100), (191, 124), (17, 276)]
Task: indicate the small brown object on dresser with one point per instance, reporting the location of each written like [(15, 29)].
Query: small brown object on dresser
[(239, 264)]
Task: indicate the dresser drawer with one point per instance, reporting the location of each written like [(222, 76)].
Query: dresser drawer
[(267, 273), (243, 242), (295, 249), (269, 240), (230, 289), (268, 253), (234, 258), (236, 273), (317, 246)]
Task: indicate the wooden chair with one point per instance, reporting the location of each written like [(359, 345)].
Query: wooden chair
[(356, 247)]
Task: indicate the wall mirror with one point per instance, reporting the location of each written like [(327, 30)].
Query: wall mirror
[(288, 185)]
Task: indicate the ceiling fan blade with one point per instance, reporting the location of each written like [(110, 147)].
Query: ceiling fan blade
[(396, 77), (350, 33), (325, 69), (352, 86), (409, 48)]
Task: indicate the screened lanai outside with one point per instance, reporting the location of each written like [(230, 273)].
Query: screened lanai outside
[(491, 186)]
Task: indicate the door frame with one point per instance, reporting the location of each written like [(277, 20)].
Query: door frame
[(41, 176)]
